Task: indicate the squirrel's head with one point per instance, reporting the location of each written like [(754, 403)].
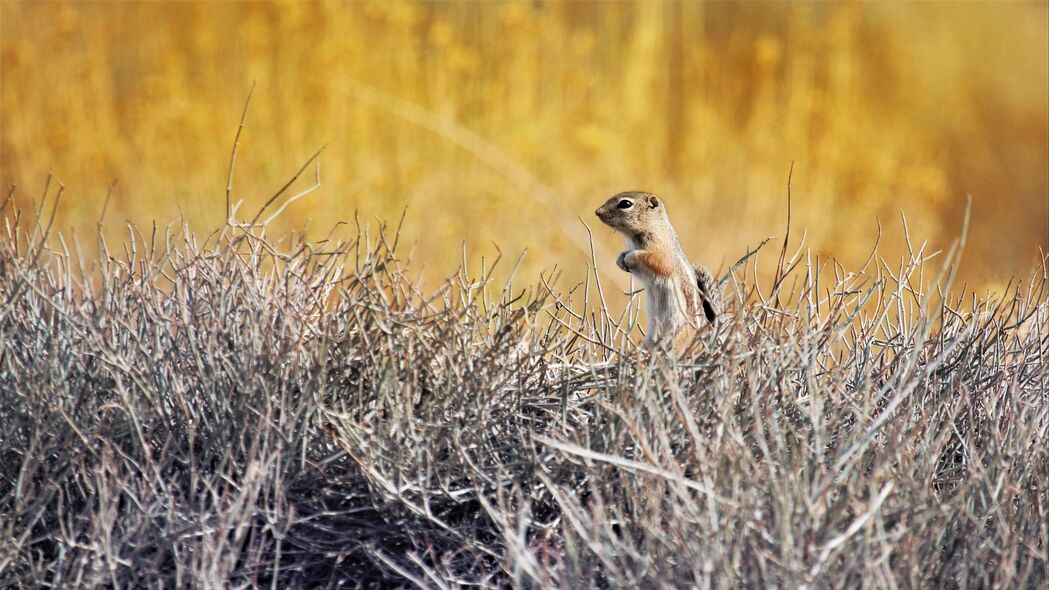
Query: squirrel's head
[(633, 212)]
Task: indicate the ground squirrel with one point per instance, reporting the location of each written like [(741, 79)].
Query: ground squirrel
[(677, 293)]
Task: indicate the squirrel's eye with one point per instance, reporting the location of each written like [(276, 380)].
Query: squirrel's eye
[(624, 204)]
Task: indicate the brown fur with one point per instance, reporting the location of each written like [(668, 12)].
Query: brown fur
[(657, 261), (678, 294)]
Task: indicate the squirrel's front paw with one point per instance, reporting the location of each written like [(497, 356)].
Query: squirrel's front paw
[(621, 261)]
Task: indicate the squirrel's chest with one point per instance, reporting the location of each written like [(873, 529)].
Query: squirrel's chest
[(671, 300)]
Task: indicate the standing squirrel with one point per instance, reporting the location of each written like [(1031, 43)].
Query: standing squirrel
[(676, 292)]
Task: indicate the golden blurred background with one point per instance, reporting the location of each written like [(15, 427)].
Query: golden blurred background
[(505, 123)]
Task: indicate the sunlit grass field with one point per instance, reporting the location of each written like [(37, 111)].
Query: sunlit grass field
[(213, 377), (234, 412), (506, 123)]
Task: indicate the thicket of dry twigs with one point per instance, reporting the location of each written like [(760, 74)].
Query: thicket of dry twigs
[(238, 411)]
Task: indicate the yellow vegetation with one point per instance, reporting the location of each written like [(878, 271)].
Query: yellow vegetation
[(505, 122)]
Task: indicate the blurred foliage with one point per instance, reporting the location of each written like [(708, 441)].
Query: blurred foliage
[(883, 108)]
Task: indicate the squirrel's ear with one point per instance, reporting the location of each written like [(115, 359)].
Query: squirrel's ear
[(653, 201)]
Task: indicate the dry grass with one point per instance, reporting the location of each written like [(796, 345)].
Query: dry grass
[(242, 411), (273, 405), (883, 106)]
